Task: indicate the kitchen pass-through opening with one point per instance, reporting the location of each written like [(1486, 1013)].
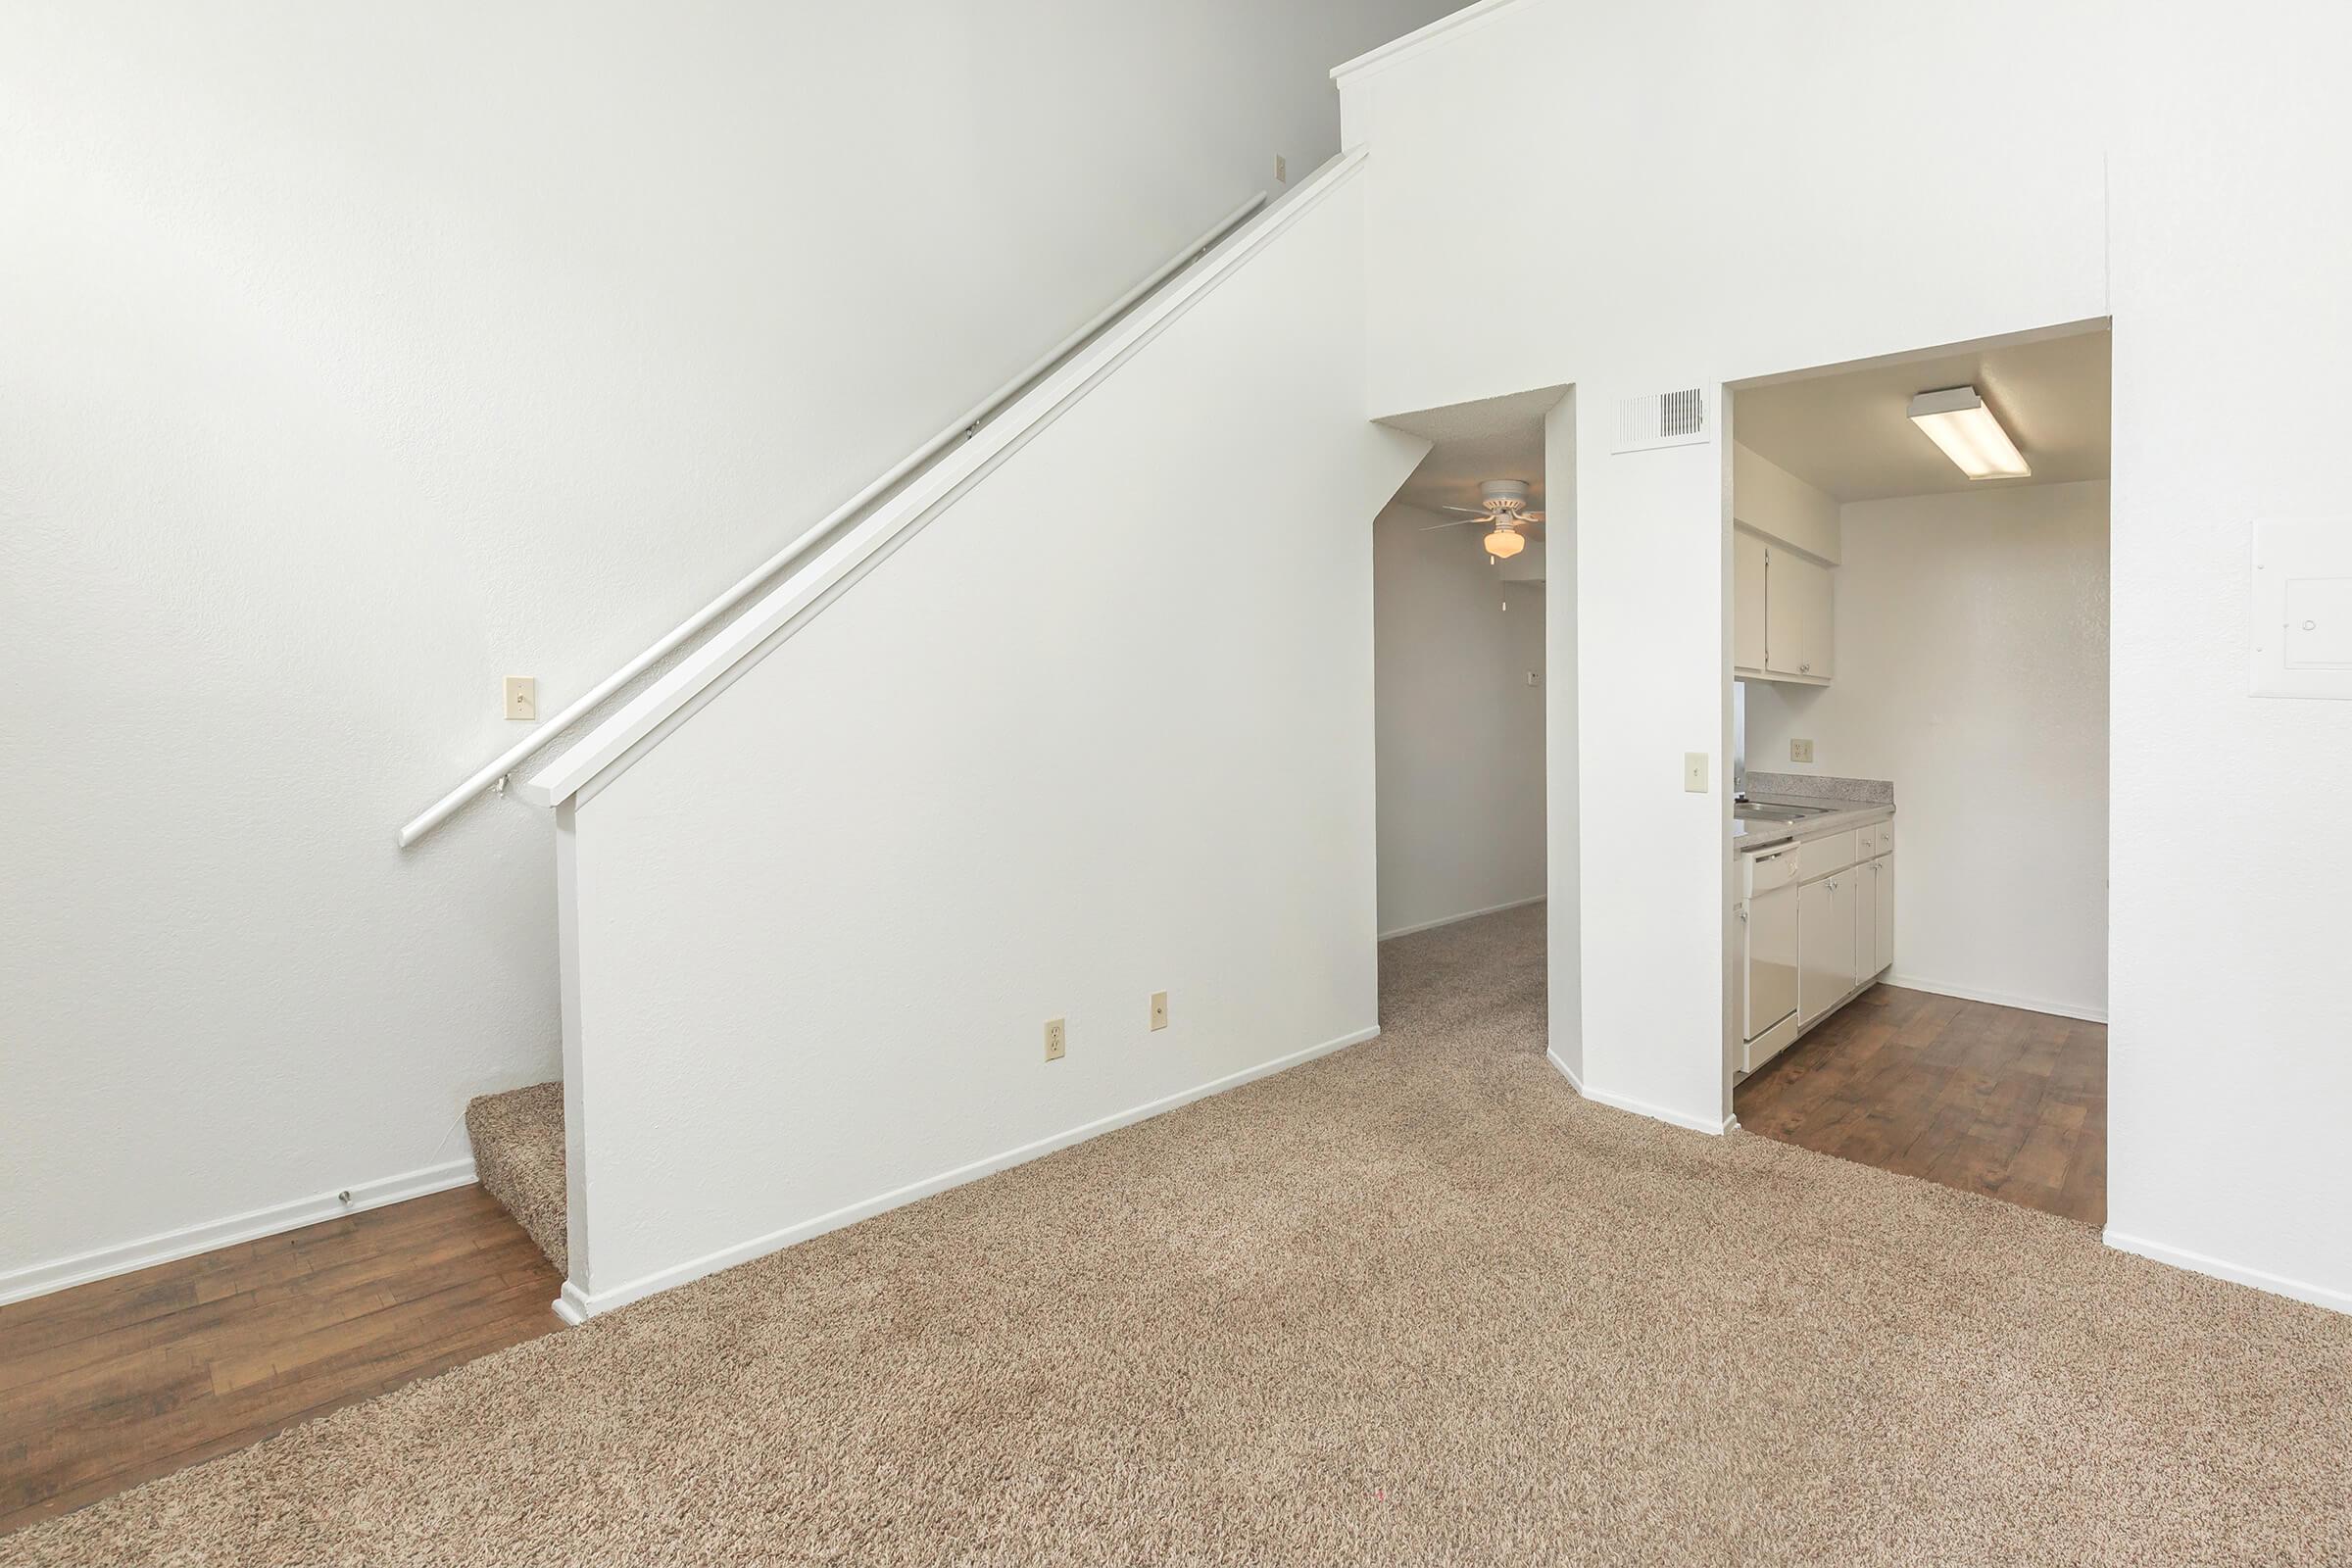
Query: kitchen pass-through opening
[(1918, 862)]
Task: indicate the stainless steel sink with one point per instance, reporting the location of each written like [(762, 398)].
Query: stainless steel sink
[(1758, 811)]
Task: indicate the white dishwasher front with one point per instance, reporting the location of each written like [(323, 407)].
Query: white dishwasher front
[(1771, 939)]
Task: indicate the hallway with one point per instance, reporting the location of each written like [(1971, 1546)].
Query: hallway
[(1409, 1302)]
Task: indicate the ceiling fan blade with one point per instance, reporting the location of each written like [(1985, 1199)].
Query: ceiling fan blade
[(1530, 516), (1435, 526), (1467, 512)]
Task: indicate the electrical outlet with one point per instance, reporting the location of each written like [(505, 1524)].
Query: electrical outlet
[(1694, 772), (1282, 170), (1800, 750), (1057, 1039), (1160, 1010), (522, 697)]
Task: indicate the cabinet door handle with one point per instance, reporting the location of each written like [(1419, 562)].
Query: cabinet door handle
[(1744, 917), (1833, 884)]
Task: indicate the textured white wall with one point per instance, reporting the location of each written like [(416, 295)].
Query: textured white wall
[(353, 357), (1462, 732), (1972, 670), (1680, 196), (2228, 1015), (1042, 763), (1563, 912)]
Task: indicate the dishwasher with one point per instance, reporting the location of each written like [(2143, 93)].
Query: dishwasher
[(1768, 937)]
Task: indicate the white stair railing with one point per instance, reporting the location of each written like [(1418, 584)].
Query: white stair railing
[(962, 427)]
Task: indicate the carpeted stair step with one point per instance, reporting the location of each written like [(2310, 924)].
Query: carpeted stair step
[(519, 1156)]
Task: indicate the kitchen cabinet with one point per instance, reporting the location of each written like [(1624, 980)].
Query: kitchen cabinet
[(1882, 913), (1783, 623), (1824, 944), (1816, 923), (1748, 552), (1799, 635), (1866, 920)]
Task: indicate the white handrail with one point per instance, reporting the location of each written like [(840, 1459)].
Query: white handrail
[(631, 731), (964, 425)]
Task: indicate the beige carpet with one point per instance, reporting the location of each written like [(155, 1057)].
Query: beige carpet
[(519, 1156), (1414, 1303)]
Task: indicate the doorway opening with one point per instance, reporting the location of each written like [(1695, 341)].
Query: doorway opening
[(1462, 558), (1917, 865)]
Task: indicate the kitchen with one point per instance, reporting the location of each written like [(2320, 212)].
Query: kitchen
[(1919, 575)]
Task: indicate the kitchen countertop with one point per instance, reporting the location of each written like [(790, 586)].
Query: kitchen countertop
[(1749, 836)]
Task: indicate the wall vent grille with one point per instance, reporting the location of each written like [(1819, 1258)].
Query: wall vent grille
[(1661, 419)]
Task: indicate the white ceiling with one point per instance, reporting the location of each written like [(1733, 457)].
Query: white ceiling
[(1494, 439), (1847, 431)]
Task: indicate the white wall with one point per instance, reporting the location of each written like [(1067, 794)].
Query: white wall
[(1563, 913), (2229, 1019), (1036, 764), (1689, 196), (1972, 670), (355, 357), (1460, 731)]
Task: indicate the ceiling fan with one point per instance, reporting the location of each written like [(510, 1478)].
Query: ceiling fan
[(1502, 507)]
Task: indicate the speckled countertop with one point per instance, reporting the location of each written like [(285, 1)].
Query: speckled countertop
[(1846, 803)]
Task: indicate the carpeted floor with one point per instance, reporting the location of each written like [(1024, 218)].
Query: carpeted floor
[(518, 1158), (1412, 1302)]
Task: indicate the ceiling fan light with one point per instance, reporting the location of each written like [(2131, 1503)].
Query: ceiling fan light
[(1957, 421), (1502, 544)]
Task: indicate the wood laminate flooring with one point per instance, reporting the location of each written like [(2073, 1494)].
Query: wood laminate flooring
[(112, 1383), (1989, 1099)]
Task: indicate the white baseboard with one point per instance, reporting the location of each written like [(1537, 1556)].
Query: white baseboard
[(166, 1247), (1643, 1108), (2236, 1273), (1998, 998), (576, 1305), (1457, 919), (1655, 1112), (1565, 1070)]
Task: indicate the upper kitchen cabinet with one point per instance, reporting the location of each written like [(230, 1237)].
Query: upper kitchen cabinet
[(1799, 620), (1784, 622)]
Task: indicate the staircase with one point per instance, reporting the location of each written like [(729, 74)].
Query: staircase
[(768, 869), (519, 1156)]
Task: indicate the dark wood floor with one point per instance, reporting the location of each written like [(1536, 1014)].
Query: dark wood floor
[(1988, 1100), (114, 1383)]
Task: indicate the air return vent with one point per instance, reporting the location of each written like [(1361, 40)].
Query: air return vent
[(1661, 419)]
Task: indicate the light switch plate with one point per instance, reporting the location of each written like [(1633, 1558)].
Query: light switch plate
[(1535, 677), (1694, 772), (1282, 170), (522, 697), (1160, 1010)]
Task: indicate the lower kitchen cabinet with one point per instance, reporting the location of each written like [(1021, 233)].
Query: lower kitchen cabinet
[(1805, 947), (1881, 914), (1866, 920), (1824, 944)]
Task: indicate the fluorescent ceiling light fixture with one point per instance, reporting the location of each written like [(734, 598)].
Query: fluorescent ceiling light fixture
[(1957, 421)]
